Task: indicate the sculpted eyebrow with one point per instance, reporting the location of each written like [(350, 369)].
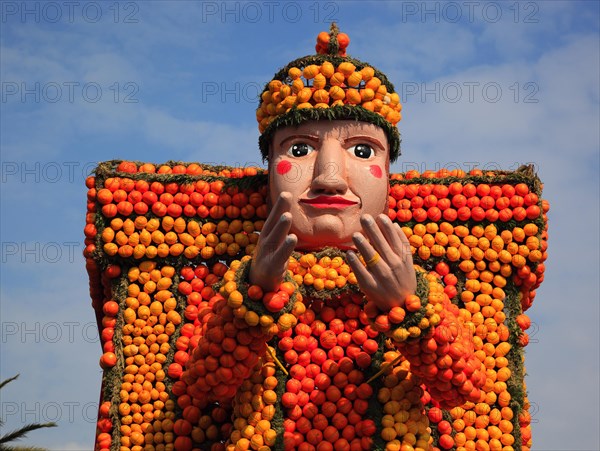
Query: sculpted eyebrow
[(370, 139), (298, 136)]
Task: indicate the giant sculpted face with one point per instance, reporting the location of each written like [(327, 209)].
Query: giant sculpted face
[(336, 171)]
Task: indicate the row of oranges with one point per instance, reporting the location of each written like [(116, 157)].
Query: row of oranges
[(151, 238), (325, 86), (463, 202)]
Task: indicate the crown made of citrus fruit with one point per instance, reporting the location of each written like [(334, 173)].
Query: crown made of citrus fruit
[(329, 85)]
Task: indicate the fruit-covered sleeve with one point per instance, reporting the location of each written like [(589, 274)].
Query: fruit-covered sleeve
[(234, 329), (431, 334)]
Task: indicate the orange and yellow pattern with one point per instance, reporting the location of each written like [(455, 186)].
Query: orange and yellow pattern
[(164, 243)]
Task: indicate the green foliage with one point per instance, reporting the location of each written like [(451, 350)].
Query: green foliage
[(20, 433)]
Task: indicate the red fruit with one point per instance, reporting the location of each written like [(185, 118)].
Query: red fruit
[(505, 214), (483, 189), (343, 40), (521, 189), (174, 210), (477, 214), (140, 208), (496, 192), (523, 321), (274, 302), (517, 201), (419, 214), (112, 271), (291, 356), (533, 212), (159, 209), (108, 360), (435, 414), (491, 215), (397, 192), (519, 213), (107, 334), (304, 359), (289, 400), (451, 291), (446, 441), (442, 268), (416, 202), (323, 38), (412, 303), (110, 308), (336, 353), (149, 197), (469, 190), (440, 191), (473, 201), (434, 214), (382, 323), (464, 213), (430, 201), (333, 393), (318, 356), (104, 425), (328, 339), (127, 166), (487, 202), (444, 427), (444, 204), (157, 188), (455, 188), (359, 336), (370, 346), (508, 190), (363, 360), (175, 370)]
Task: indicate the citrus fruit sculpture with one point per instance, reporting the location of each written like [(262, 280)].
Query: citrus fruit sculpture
[(197, 358)]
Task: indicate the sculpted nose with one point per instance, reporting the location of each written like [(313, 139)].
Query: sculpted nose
[(329, 174)]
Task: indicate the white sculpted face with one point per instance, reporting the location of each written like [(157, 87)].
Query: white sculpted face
[(336, 171)]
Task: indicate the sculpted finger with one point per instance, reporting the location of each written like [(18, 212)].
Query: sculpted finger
[(283, 204), (269, 243), (364, 278), (282, 255), (376, 265), (376, 238), (388, 229)]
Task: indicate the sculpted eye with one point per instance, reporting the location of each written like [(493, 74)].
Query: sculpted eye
[(300, 150), (362, 151)]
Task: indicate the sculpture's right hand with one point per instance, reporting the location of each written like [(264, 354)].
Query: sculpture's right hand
[(274, 247)]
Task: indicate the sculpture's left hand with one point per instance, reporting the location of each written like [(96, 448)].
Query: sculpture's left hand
[(386, 280)]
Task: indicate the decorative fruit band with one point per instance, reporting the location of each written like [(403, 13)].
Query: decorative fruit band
[(310, 366), (329, 85)]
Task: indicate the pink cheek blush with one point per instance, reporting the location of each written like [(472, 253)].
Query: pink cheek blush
[(376, 171), (283, 167)]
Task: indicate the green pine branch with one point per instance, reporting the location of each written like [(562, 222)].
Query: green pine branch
[(22, 432)]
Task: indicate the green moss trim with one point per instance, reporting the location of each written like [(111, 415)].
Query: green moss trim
[(413, 319), (112, 378), (242, 277)]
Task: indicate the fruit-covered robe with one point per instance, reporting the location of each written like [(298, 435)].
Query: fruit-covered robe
[(327, 371)]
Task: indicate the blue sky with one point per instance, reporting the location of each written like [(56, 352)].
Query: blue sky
[(491, 84)]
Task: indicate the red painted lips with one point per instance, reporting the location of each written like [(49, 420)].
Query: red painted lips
[(337, 202)]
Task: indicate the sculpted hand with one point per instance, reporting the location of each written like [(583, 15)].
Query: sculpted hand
[(274, 246), (389, 278)]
